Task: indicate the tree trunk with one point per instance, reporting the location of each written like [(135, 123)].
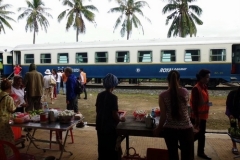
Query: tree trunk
[(127, 35), (34, 36), (77, 35)]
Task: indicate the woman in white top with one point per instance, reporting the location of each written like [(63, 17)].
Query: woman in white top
[(48, 88), (55, 75), (17, 89)]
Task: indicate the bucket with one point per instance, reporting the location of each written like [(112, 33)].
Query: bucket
[(44, 117)]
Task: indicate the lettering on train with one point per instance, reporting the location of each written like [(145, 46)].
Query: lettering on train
[(164, 70)]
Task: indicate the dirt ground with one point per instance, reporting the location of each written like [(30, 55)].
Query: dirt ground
[(130, 102)]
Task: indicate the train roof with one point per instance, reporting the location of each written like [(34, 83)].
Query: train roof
[(129, 43), (5, 49)]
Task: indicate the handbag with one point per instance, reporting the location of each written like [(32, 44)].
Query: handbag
[(52, 81)]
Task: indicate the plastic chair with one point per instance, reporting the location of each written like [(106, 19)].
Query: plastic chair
[(16, 154), (157, 154), (60, 134)]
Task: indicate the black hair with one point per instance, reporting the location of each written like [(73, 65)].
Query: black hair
[(5, 84), (175, 98), (202, 73)]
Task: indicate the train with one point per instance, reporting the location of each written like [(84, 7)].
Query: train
[(135, 60)]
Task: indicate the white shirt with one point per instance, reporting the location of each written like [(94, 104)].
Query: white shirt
[(82, 79), (46, 80), (59, 77), (20, 94)]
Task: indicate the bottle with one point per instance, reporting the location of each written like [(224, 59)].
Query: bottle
[(153, 113)]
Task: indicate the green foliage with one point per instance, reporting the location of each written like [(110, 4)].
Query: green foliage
[(183, 18), (75, 14), (127, 19), (4, 17), (36, 16)]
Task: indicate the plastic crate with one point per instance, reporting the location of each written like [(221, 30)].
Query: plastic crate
[(17, 131), (157, 154)]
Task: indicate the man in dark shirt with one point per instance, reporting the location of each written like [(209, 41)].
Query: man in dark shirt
[(107, 119), (71, 96)]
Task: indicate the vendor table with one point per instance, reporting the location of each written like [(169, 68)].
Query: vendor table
[(131, 127), (55, 126)]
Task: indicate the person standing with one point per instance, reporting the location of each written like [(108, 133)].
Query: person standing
[(71, 96), (84, 81), (233, 113), (64, 79), (17, 70), (175, 120), (107, 119), (59, 77), (48, 88), (199, 103), (55, 75), (7, 107), (33, 81), (18, 90)]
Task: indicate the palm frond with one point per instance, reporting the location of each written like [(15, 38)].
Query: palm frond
[(117, 23), (196, 19), (169, 8), (70, 20), (91, 7), (61, 15), (68, 3), (5, 6), (196, 9), (5, 22), (141, 4), (116, 9), (123, 29)]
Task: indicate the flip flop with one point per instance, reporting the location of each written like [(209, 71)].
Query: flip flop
[(235, 151)]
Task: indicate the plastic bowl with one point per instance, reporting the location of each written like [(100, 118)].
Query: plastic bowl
[(18, 120)]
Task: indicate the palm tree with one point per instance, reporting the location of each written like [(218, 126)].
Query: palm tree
[(75, 15), (4, 17), (36, 15), (183, 16), (128, 18)]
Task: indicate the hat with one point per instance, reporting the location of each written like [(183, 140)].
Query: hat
[(110, 81), (47, 71)]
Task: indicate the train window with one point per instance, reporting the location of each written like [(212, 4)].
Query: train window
[(29, 58), (81, 57), (45, 58), (62, 57), (144, 56), (218, 55), (9, 60), (168, 56), (101, 57), (122, 56), (192, 55)]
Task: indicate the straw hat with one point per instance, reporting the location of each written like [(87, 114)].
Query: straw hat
[(47, 71)]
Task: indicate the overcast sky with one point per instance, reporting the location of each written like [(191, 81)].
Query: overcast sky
[(220, 19)]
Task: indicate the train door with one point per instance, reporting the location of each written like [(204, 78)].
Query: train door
[(17, 57), (235, 59)]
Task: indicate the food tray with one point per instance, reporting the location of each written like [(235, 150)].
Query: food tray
[(65, 119)]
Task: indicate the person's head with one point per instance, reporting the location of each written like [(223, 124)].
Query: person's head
[(54, 71), (173, 79), (6, 86), (203, 76), (110, 81), (81, 69), (47, 72), (68, 71), (176, 99), (17, 81), (32, 67)]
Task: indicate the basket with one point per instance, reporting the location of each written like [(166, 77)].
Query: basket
[(65, 119)]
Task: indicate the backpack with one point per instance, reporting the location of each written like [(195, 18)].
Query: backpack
[(78, 87)]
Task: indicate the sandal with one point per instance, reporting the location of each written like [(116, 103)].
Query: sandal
[(235, 151)]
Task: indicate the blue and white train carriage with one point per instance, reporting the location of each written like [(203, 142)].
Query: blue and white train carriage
[(139, 59), (6, 62)]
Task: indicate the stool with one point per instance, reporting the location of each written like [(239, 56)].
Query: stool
[(60, 136)]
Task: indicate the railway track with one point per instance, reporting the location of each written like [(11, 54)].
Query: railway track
[(159, 86)]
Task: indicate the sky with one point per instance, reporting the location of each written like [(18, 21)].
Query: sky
[(220, 19)]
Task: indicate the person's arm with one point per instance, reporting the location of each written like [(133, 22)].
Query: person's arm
[(115, 111), (195, 102), (11, 106), (163, 116)]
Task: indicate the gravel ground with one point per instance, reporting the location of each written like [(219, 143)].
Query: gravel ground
[(219, 93)]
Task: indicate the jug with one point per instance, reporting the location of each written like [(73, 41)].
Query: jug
[(149, 121)]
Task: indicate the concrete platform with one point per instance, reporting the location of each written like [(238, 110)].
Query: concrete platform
[(218, 146)]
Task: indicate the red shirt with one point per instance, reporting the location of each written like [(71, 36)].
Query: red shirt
[(17, 70)]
